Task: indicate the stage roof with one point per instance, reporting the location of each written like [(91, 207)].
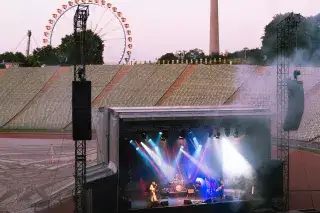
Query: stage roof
[(193, 112)]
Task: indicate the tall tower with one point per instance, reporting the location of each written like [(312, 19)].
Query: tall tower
[(29, 43), (214, 27)]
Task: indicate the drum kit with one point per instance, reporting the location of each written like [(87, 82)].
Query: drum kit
[(177, 185)]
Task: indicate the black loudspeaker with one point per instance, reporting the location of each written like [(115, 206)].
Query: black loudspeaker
[(295, 105), (164, 203), (155, 204), (187, 202), (81, 110), (270, 179)]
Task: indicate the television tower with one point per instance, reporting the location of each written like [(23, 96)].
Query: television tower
[(29, 34), (214, 27)]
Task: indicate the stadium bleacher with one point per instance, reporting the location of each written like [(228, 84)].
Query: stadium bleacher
[(18, 87), (40, 98)]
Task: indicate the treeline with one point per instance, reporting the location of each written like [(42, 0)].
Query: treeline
[(306, 51), (197, 56), (62, 55)]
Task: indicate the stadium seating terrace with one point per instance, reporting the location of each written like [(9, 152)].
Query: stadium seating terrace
[(40, 98)]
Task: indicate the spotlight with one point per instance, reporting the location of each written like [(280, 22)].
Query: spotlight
[(131, 141), (181, 147), (182, 134), (137, 148), (227, 132), (217, 135), (144, 135), (160, 133), (236, 133)]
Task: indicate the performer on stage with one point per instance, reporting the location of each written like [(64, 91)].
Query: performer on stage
[(207, 187), (220, 188), (153, 189)]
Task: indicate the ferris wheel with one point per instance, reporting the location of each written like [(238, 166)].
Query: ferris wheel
[(105, 21)]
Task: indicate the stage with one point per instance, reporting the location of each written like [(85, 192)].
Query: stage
[(183, 151), (197, 205), (175, 200)]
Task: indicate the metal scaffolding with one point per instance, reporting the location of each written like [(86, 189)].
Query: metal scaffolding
[(286, 43), (80, 25)]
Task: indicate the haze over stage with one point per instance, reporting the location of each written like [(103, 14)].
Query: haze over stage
[(134, 134)]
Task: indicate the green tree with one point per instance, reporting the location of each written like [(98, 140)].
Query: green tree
[(168, 57), (94, 48), (269, 39), (45, 55), (253, 56), (31, 61), (17, 57), (194, 54)]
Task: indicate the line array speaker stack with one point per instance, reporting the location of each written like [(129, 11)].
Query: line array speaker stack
[(81, 110), (295, 105)]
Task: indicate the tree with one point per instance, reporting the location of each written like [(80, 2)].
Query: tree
[(194, 54), (181, 54), (94, 48), (45, 55), (168, 57), (17, 57), (269, 39), (31, 61)]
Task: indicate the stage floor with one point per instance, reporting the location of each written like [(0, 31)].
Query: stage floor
[(143, 204), (178, 201), (173, 202)]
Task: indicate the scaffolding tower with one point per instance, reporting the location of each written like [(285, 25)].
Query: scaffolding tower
[(286, 43)]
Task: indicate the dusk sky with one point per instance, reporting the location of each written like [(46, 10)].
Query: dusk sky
[(157, 26)]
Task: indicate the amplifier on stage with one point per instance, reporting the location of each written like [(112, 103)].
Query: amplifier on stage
[(190, 192)]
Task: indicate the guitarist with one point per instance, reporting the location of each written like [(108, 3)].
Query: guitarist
[(220, 188), (153, 189)]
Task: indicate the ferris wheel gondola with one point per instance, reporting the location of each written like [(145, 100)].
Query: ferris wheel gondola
[(105, 20)]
